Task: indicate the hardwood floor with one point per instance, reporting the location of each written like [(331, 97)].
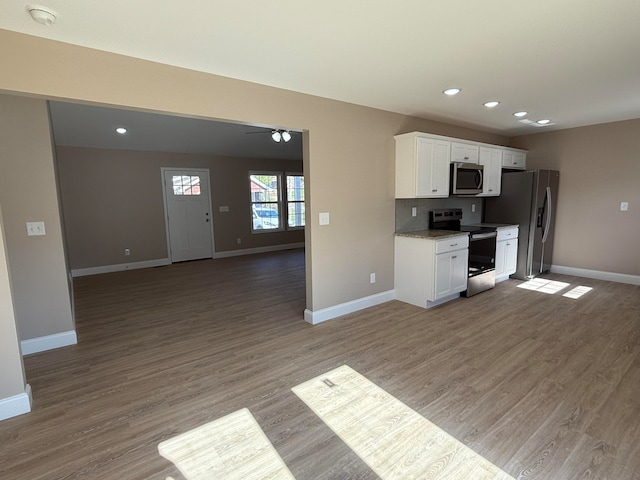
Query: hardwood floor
[(544, 386)]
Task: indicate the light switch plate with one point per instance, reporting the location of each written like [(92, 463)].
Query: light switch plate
[(624, 206), (223, 208), (324, 218), (35, 228)]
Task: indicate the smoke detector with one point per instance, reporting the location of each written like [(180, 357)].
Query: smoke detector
[(42, 15)]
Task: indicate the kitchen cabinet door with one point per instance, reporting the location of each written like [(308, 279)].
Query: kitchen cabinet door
[(464, 152), (451, 273), (422, 166), (432, 174), (491, 159), (511, 256), (506, 253), (514, 159)]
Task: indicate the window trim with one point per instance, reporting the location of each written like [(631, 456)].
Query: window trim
[(286, 201), (279, 202)]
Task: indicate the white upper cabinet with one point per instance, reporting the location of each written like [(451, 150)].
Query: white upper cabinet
[(422, 166), (516, 159), (491, 159), (464, 152)]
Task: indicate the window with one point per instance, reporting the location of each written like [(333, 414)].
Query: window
[(186, 185), (295, 200), (265, 201), (270, 208)]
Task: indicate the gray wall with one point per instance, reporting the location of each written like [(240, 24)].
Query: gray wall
[(12, 378), (599, 168), (28, 193), (112, 200)]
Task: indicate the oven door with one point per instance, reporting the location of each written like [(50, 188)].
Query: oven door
[(466, 178), (482, 262), (482, 252)]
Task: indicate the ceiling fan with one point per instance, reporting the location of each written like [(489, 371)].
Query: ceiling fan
[(277, 135)]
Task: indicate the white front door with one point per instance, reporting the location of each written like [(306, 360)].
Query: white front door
[(188, 214)]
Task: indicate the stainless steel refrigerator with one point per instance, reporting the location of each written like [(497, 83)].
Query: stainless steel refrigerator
[(528, 199)]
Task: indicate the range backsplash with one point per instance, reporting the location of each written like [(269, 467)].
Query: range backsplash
[(406, 223)]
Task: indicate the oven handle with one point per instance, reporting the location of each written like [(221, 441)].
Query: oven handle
[(482, 236)]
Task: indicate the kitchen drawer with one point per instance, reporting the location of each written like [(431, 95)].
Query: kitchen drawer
[(507, 233), (452, 243)]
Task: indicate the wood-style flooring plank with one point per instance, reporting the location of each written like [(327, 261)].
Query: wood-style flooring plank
[(544, 386)]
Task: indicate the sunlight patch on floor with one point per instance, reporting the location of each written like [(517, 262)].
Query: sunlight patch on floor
[(577, 292), (393, 440), (544, 285), (552, 286), (233, 447)]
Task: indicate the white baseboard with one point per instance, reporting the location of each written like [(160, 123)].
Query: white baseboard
[(251, 251), (596, 274), (16, 405), (322, 315), (48, 342), (81, 272)]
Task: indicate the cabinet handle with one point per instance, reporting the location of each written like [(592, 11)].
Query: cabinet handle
[(455, 256), (453, 244), (434, 190), (466, 158), (491, 189), (508, 244), (515, 163)]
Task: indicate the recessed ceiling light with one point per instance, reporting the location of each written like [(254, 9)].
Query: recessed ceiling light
[(543, 122), (520, 114), (492, 104), (121, 130), (452, 91)]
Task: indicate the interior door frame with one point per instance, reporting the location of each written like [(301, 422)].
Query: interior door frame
[(202, 171)]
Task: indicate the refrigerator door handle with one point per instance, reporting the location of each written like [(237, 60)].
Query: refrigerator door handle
[(547, 199)]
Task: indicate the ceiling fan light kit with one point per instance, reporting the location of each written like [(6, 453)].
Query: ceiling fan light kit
[(42, 15), (281, 136)]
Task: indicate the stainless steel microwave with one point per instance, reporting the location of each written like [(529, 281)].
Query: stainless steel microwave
[(466, 178)]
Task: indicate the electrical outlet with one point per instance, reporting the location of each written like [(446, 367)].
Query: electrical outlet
[(324, 218), (238, 240), (372, 278), (414, 211), (127, 251), (473, 208)]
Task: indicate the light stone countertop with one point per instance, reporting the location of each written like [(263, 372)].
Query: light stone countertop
[(498, 226), (432, 234)]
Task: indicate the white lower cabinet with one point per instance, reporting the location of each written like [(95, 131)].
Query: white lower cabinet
[(506, 252), (451, 273), (430, 271)]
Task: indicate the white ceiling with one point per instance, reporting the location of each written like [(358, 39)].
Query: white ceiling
[(94, 127), (575, 62)]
